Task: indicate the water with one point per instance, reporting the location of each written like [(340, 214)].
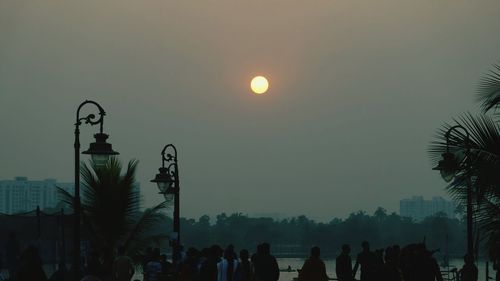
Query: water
[(296, 263)]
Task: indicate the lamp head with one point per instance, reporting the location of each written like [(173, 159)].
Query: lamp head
[(447, 166), (164, 180), (100, 150)]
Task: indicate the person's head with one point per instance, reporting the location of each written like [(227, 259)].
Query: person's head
[(215, 251), (346, 249), (259, 249), (315, 252), (468, 259), (193, 253), (205, 252), (228, 253), (244, 255), (266, 248), (156, 254), (121, 251), (230, 250), (365, 245), (163, 258)]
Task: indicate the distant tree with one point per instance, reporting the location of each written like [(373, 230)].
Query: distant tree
[(300, 233)]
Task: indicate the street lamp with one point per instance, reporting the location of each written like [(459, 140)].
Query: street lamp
[(168, 183), (449, 166), (100, 152)]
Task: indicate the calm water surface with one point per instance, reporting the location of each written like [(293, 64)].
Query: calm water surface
[(295, 263)]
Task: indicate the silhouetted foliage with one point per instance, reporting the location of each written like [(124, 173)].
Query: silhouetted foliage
[(296, 235), (484, 144), (111, 210)]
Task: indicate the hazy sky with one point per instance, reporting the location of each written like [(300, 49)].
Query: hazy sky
[(358, 89)]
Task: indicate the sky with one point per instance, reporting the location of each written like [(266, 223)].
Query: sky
[(357, 91)]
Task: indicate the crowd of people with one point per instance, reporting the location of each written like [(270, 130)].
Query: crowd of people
[(218, 264), (209, 264), (410, 263)]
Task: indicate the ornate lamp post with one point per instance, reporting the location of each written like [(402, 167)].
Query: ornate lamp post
[(100, 151), (449, 166), (168, 183)]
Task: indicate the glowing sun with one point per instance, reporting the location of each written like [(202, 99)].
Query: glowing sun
[(259, 85)]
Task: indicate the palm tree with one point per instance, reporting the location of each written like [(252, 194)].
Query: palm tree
[(484, 144), (111, 210), (489, 90)]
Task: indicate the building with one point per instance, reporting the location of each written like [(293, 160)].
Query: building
[(22, 195), (418, 208)]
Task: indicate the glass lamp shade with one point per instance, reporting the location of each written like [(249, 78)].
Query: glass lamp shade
[(448, 166), (100, 160), (447, 175), (163, 186)]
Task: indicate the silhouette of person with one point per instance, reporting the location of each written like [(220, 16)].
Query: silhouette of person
[(314, 268), (418, 264), (61, 274), (343, 264), (496, 267), (30, 268), (147, 258), (153, 267), (94, 266), (208, 268), (266, 266), (390, 270), (166, 266), (12, 254), (189, 267), (123, 267), (226, 268), (469, 271), (245, 270), (367, 261)]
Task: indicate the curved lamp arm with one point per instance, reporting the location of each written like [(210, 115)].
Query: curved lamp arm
[(91, 119), (169, 157)]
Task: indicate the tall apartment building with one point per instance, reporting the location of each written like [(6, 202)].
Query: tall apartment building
[(418, 208), (21, 195)]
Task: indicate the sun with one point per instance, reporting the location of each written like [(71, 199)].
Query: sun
[(259, 85)]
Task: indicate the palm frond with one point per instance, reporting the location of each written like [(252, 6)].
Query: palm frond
[(482, 172), (66, 197), (484, 153), (146, 221), (111, 208), (489, 89)]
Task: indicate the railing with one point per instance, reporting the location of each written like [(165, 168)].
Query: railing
[(450, 275)]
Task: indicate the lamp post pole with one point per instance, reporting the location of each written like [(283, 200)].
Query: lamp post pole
[(100, 151), (448, 167), (168, 184)]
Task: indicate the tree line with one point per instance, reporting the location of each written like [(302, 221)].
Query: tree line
[(297, 235)]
